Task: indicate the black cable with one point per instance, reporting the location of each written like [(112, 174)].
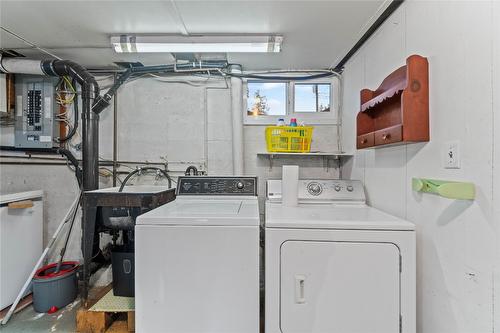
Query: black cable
[(281, 78), (145, 169), (63, 249), (72, 159)]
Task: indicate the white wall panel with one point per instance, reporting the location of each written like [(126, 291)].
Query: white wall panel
[(496, 156), (457, 241), (353, 78), (460, 104), (385, 169)]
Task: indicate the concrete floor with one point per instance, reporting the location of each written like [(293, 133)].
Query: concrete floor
[(30, 321), (63, 321)]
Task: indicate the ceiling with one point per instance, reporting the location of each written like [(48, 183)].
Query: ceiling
[(317, 34)]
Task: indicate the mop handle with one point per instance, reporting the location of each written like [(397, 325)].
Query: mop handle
[(63, 250), (39, 262)]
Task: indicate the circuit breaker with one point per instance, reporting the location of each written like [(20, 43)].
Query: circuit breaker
[(35, 108)]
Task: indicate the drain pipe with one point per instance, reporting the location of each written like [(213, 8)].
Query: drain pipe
[(237, 122), (90, 92), (93, 103)]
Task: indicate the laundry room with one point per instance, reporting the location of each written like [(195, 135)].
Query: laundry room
[(248, 166)]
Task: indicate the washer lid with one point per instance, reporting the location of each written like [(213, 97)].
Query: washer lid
[(309, 216), (206, 212)]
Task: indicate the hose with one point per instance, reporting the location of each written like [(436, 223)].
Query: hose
[(281, 78), (72, 159), (189, 169), (145, 169)]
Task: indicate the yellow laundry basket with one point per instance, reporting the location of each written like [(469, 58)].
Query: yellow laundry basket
[(288, 139)]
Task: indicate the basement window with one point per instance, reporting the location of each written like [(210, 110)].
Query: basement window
[(312, 97), (311, 102), (266, 98)]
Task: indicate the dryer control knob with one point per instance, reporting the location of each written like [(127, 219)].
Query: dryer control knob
[(337, 188), (350, 188), (240, 185), (314, 188)]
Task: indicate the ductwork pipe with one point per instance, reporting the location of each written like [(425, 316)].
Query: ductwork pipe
[(20, 66), (237, 128), (93, 103), (90, 92)]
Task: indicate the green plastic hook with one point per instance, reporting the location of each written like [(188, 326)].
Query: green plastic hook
[(444, 188)]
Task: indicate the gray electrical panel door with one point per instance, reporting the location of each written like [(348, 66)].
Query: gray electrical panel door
[(34, 111)]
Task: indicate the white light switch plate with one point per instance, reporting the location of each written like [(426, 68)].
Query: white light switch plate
[(451, 155)]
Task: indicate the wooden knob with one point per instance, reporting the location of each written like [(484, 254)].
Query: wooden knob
[(364, 140), (386, 136)]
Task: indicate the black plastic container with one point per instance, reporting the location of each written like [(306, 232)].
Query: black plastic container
[(122, 265)]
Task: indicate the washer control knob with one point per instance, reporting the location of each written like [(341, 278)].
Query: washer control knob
[(350, 188), (314, 188), (240, 185), (337, 188)]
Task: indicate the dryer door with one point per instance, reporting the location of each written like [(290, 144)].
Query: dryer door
[(340, 287)]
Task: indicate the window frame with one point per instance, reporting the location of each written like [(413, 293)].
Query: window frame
[(309, 118), (245, 98)]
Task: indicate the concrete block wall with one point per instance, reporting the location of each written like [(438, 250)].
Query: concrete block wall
[(458, 242), (182, 122)]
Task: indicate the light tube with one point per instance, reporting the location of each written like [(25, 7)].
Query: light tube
[(197, 44)]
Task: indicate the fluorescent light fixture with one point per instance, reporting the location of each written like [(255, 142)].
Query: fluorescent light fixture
[(197, 44)]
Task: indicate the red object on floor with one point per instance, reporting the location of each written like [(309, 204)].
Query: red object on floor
[(53, 309), (47, 272)]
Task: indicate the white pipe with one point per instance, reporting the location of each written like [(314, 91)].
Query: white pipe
[(237, 117), (40, 260), (21, 66)]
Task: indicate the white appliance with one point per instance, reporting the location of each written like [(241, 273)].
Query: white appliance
[(334, 264), (21, 237), (197, 259)]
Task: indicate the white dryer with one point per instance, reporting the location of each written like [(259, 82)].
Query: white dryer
[(197, 259), (334, 264)]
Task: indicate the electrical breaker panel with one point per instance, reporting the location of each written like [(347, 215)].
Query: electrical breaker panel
[(34, 111)]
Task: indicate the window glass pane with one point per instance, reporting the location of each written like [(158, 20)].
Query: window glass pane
[(266, 98), (324, 97), (312, 97)]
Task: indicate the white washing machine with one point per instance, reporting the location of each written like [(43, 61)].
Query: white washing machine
[(335, 265), (197, 259)]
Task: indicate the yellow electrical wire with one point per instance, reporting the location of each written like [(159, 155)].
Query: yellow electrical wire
[(72, 92)]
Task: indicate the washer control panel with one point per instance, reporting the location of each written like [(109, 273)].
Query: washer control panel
[(321, 190), (244, 186), (314, 188)]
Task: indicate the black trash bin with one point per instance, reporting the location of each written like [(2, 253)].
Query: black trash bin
[(122, 265)]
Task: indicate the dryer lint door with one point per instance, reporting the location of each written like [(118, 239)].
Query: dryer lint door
[(340, 287)]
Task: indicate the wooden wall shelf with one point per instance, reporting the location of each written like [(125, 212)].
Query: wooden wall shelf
[(398, 111)]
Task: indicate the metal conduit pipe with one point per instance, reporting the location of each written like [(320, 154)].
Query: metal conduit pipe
[(90, 92), (92, 103), (102, 102)]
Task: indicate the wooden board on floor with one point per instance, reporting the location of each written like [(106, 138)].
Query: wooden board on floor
[(103, 321), (23, 303)]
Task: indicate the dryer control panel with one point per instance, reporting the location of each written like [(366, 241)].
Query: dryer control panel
[(239, 186), (321, 190)]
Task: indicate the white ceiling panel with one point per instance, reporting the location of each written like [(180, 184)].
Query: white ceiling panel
[(316, 34)]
